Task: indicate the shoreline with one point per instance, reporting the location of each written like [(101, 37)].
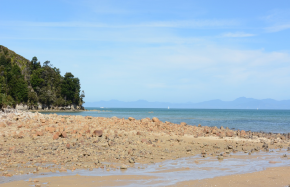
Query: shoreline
[(37, 143), (286, 134), (162, 176)]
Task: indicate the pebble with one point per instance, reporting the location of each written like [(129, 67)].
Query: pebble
[(123, 166)]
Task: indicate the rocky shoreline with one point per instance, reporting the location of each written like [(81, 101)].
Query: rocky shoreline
[(34, 142), (42, 107)]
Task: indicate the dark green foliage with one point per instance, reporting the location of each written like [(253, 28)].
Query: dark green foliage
[(2, 60), (70, 88), (34, 64), (47, 63), (36, 80), (18, 86), (32, 98), (24, 81), (6, 100), (5, 51)]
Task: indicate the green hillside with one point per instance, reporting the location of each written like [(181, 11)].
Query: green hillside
[(31, 83)]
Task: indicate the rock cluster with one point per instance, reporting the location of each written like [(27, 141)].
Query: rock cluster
[(34, 142)]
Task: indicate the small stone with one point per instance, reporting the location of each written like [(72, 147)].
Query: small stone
[(55, 136), (63, 135), (123, 166), (139, 133), (265, 146), (104, 144), (131, 160), (272, 162), (62, 169)]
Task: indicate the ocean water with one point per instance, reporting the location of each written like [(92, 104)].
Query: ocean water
[(276, 121)]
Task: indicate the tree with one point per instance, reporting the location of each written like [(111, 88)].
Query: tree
[(81, 97), (6, 100), (36, 80), (18, 87), (71, 88), (3, 61), (32, 98), (35, 64), (28, 82), (47, 63)]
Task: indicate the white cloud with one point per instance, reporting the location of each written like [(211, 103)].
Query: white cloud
[(156, 24), (278, 20), (191, 24), (278, 28), (237, 34)]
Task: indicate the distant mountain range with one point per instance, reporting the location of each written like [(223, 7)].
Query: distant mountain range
[(239, 103)]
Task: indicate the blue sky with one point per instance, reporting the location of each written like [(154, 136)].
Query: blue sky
[(158, 50)]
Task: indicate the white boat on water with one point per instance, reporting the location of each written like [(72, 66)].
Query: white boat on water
[(101, 107), (168, 107)]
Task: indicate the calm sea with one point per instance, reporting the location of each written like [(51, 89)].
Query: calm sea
[(276, 121)]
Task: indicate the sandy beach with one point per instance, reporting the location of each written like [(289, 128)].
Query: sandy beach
[(271, 177), (120, 152)]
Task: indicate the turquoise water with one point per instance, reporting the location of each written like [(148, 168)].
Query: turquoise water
[(276, 121)]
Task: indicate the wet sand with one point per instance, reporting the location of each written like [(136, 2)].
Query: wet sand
[(78, 181), (271, 177)]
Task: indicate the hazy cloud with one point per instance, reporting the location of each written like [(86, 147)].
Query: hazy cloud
[(278, 28), (237, 34), (156, 24), (278, 20)]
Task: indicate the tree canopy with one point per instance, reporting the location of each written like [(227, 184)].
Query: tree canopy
[(27, 82)]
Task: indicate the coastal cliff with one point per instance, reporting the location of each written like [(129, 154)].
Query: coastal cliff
[(30, 85)]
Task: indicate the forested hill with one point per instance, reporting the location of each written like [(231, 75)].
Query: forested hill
[(35, 84)]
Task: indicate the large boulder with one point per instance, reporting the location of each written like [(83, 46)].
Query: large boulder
[(131, 119), (98, 133), (155, 119), (229, 133), (243, 133)]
